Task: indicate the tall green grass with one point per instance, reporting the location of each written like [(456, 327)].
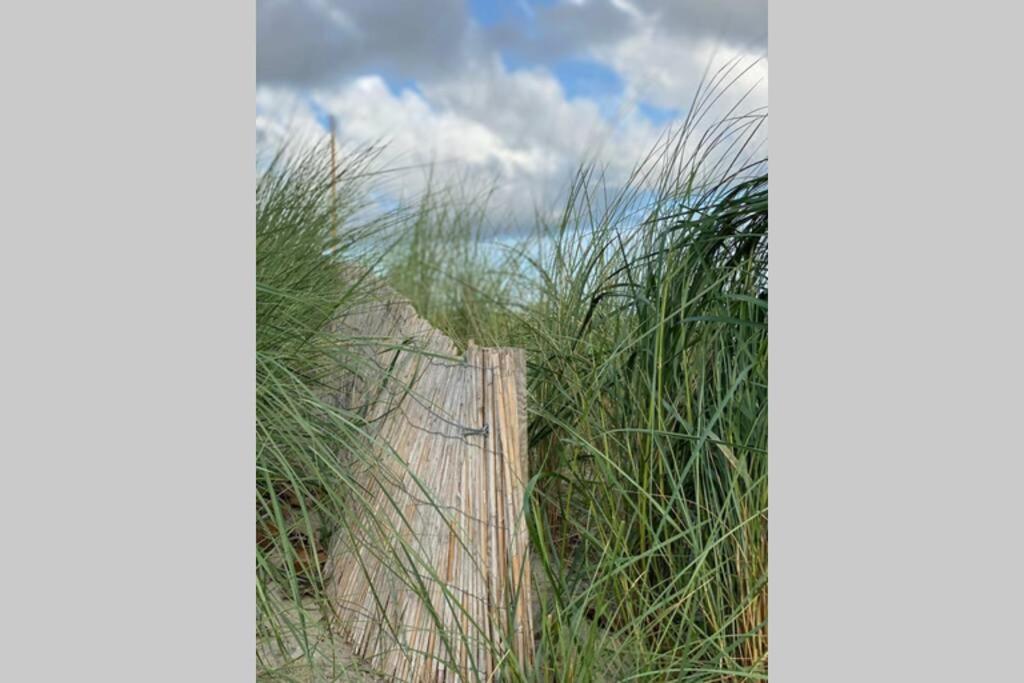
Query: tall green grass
[(645, 323), (648, 440), (453, 270), (304, 227)]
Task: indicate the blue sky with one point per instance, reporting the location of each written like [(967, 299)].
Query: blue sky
[(512, 95), (493, 13)]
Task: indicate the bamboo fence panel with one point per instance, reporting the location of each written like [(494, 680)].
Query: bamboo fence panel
[(430, 581)]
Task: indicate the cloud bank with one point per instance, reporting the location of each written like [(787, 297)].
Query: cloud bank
[(517, 94)]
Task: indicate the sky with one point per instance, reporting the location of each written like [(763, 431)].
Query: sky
[(510, 95)]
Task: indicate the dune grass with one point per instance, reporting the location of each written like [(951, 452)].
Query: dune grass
[(648, 438), (301, 487), (645, 322)]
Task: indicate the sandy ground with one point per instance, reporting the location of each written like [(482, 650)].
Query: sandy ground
[(332, 660)]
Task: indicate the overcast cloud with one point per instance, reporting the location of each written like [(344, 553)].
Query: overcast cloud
[(305, 42)]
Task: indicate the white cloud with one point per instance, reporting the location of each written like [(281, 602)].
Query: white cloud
[(481, 126), (665, 70)]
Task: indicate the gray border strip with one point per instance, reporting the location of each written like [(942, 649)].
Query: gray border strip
[(895, 350), (127, 270)]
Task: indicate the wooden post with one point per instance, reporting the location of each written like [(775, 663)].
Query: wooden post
[(334, 173)]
